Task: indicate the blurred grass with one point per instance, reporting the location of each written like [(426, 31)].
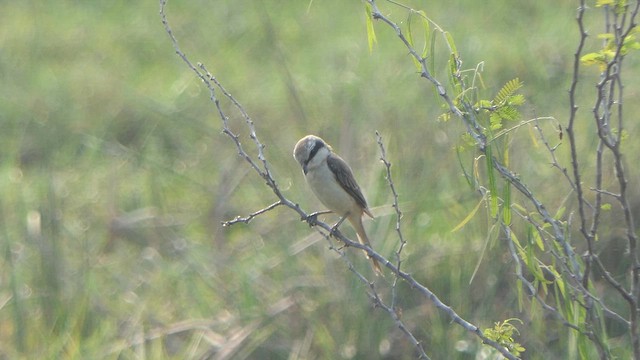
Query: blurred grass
[(115, 177)]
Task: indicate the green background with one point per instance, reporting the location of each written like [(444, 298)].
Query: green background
[(115, 177)]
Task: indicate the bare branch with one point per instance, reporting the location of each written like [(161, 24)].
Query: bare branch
[(211, 82), (532, 290), (609, 100), (373, 293), (572, 118), (391, 310), (247, 219), (606, 192), (552, 152), (396, 207), (575, 282)]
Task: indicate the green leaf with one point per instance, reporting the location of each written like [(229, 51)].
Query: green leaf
[(520, 292), (606, 36), (559, 282), (599, 58), (601, 3), (453, 70), (432, 63), (505, 151), (502, 333), (507, 91), (508, 113), (495, 121), (409, 36), (624, 135), (493, 188), (506, 207), (591, 58), (483, 104), (519, 248), (444, 117), (468, 217), (534, 237), (517, 100), (451, 43), (427, 33), (371, 33)]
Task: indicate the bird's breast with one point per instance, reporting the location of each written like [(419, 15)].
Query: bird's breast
[(329, 192)]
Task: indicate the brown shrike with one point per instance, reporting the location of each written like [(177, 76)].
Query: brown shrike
[(331, 179)]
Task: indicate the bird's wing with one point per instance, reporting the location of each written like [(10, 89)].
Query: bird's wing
[(345, 178)]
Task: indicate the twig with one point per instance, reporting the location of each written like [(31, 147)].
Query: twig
[(609, 100), (392, 308), (532, 290), (552, 152), (605, 192), (574, 269), (396, 207), (475, 130), (576, 283), (250, 217)]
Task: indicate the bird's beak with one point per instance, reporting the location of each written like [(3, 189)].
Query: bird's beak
[(304, 169)]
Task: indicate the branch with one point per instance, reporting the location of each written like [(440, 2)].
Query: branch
[(608, 100), (475, 130), (396, 207), (573, 267), (552, 151), (247, 219), (264, 171), (532, 290), (576, 284), (422, 289), (390, 309)]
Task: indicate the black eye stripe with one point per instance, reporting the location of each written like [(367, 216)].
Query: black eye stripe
[(316, 147)]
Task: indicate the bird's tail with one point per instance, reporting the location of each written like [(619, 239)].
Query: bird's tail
[(364, 240)]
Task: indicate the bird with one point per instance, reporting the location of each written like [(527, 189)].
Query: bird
[(332, 181)]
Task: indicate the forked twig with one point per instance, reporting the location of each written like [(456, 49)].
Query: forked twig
[(247, 219)]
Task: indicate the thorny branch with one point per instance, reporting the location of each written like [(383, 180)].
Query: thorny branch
[(392, 308), (533, 292), (263, 170), (467, 115), (552, 151), (396, 207), (608, 101), (566, 271), (620, 22), (589, 235), (377, 299), (609, 91), (247, 219), (609, 95)]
